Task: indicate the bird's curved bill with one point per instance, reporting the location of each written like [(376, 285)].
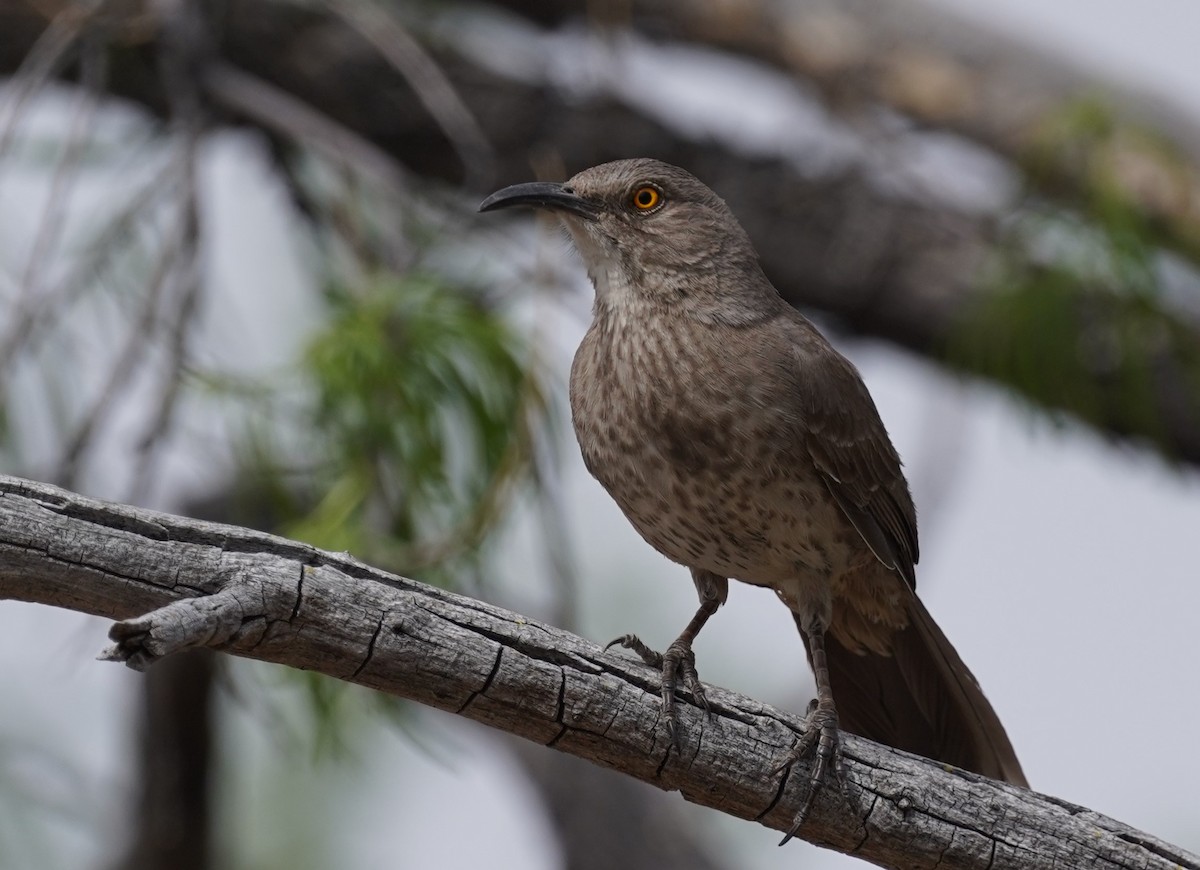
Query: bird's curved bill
[(542, 194)]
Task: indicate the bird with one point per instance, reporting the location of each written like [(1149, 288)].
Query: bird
[(742, 445)]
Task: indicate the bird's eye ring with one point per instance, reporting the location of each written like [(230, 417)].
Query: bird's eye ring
[(646, 198)]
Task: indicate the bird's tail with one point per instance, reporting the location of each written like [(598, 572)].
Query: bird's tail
[(921, 699)]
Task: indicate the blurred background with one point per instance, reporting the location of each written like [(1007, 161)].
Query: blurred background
[(241, 278)]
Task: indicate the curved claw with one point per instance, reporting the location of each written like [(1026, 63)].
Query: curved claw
[(633, 642), (821, 733), (691, 680), (678, 662)]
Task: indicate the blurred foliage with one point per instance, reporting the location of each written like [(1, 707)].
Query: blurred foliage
[(1077, 319), (422, 407), (401, 434), (422, 420), (1131, 174)]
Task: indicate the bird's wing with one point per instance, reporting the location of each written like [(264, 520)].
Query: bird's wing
[(850, 446)]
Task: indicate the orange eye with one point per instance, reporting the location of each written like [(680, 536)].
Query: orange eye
[(646, 198)]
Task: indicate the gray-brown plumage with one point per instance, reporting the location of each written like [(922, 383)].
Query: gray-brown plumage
[(741, 444)]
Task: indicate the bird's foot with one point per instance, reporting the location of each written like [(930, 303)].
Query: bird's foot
[(820, 734), (677, 663)]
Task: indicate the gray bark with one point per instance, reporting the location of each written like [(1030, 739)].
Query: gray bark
[(176, 583)]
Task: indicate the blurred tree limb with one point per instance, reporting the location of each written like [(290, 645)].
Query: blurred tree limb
[(945, 73), (909, 269), (175, 746), (178, 583)]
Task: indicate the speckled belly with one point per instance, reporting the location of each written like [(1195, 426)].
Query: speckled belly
[(759, 525), (714, 481)]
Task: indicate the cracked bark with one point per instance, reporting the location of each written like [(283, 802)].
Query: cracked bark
[(177, 583)]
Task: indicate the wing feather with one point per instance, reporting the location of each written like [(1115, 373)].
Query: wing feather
[(850, 446)]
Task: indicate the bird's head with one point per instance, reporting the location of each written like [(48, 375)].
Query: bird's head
[(647, 231)]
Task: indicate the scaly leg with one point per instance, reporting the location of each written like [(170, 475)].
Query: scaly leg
[(679, 661), (820, 732)]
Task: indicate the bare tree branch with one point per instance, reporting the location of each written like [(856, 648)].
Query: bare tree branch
[(436, 92), (52, 222), (178, 583), (124, 368), (279, 112), (186, 43), (55, 40)]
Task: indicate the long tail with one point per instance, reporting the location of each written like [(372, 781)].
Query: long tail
[(921, 699)]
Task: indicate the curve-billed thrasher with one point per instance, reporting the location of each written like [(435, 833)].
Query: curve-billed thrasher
[(741, 444)]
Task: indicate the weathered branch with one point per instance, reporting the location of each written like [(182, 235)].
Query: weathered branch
[(178, 583)]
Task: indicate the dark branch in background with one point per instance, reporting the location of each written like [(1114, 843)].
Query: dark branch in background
[(280, 114), (174, 757), (423, 74), (621, 823), (38, 49), (93, 74), (185, 45), (180, 583), (172, 826), (947, 74), (907, 271)]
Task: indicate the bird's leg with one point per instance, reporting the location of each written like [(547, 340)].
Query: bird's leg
[(679, 661), (820, 732)]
